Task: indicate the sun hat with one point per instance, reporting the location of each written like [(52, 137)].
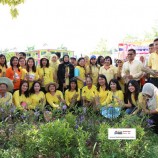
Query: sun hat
[(8, 82), (51, 83)]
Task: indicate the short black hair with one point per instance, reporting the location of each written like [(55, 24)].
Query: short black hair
[(132, 50), (23, 53), (151, 45), (108, 57), (58, 54), (156, 39)]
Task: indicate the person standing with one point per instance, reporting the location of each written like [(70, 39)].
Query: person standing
[(132, 69), (152, 63), (65, 73)]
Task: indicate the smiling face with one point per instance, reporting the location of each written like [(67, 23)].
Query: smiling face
[(3, 88), (44, 62), (30, 63), (22, 62), (113, 86), (15, 62), (101, 81), (131, 88), (37, 87), (88, 82), (73, 85), (52, 88), (107, 62), (24, 87), (2, 60)]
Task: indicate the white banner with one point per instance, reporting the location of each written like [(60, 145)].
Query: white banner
[(121, 133)]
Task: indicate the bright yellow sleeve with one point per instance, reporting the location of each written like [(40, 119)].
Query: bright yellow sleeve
[(24, 72), (67, 97), (50, 100), (108, 99), (79, 95), (149, 61), (51, 75), (16, 100)]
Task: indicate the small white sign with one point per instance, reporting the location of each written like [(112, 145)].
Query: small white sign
[(121, 133)]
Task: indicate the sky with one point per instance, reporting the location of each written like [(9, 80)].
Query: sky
[(77, 24)]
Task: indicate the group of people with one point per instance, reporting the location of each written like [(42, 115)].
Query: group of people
[(88, 82)]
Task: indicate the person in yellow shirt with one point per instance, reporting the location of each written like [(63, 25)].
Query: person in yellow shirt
[(6, 85), (6, 107), (37, 97), (80, 73), (119, 63), (54, 64), (3, 65), (45, 73), (22, 63), (54, 97), (108, 69), (152, 63), (115, 95), (134, 97), (21, 97), (89, 93), (93, 69), (72, 94), (102, 88), (31, 74)]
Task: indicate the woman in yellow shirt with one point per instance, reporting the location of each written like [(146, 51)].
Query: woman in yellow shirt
[(80, 73), (72, 94), (45, 73), (54, 65), (93, 69), (54, 97), (3, 65), (37, 97), (102, 88), (133, 95), (21, 97), (115, 95), (31, 74), (89, 92)]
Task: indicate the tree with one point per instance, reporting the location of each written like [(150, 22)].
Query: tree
[(101, 48), (12, 4)]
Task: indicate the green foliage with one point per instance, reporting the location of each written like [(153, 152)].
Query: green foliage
[(81, 134), (12, 4)]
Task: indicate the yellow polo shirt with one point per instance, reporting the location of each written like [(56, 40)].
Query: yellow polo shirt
[(103, 94), (46, 73), (53, 99), (109, 73), (69, 95), (17, 99), (3, 71), (80, 72), (89, 94), (114, 101), (36, 100), (153, 61), (94, 72)]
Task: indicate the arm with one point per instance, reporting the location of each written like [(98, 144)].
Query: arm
[(50, 101)]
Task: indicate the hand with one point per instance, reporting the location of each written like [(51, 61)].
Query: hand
[(146, 111), (130, 76)]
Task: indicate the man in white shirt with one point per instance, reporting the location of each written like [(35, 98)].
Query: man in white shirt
[(132, 69)]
